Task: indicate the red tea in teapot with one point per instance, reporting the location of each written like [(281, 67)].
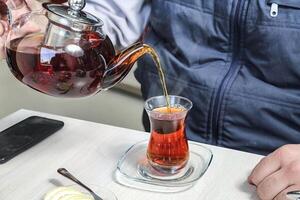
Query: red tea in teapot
[(68, 71)]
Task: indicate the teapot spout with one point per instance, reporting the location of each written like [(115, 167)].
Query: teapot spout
[(123, 63)]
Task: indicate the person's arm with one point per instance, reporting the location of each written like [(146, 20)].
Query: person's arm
[(124, 21)]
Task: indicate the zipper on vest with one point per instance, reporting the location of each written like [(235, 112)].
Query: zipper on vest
[(234, 64), (274, 10), (276, 4)]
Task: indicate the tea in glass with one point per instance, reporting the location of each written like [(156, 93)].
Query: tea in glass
[(168, 150)]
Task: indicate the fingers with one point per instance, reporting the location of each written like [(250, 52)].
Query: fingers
[(19, 12), (26, 29), (33, 4), (273, 184), (264, 168), (3, 27), (3, 33), (283, 194), (276, 183), (15, 4), (2, 49), (277, 173)]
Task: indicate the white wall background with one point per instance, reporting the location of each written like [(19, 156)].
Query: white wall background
[(112, 107)]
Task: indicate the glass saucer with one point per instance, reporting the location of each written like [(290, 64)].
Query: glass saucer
[(133, 169)]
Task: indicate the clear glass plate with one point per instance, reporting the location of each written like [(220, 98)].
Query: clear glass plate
[(133, 169)]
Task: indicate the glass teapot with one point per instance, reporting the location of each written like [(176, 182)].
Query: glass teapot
[(62, 51)]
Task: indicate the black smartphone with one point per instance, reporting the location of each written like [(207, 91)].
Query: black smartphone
[(23, 135)]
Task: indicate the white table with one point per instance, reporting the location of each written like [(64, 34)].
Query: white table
[(91, 151)]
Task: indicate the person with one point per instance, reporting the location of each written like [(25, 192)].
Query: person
[(237, 60)]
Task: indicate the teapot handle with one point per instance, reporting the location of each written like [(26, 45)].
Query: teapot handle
[(10, 9), (14, 9)]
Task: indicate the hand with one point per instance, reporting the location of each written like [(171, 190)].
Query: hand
[(277, 173), (17, 8)]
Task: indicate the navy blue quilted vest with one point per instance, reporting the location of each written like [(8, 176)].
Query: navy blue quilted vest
[(239, 63)]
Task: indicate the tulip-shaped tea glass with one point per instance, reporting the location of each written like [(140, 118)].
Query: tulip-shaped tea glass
[(167, 162), (168, 150)]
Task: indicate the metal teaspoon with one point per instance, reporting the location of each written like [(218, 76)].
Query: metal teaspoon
[(68, 175)]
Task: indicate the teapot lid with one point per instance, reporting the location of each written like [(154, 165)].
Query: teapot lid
[(73, 17)]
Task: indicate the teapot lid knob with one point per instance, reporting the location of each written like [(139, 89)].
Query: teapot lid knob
[(76, 5), (72, 16)]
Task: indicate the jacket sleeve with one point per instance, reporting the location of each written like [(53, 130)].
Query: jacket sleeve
[(124, 20)]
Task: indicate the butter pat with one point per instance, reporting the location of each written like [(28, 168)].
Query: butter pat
[(66, 193)]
